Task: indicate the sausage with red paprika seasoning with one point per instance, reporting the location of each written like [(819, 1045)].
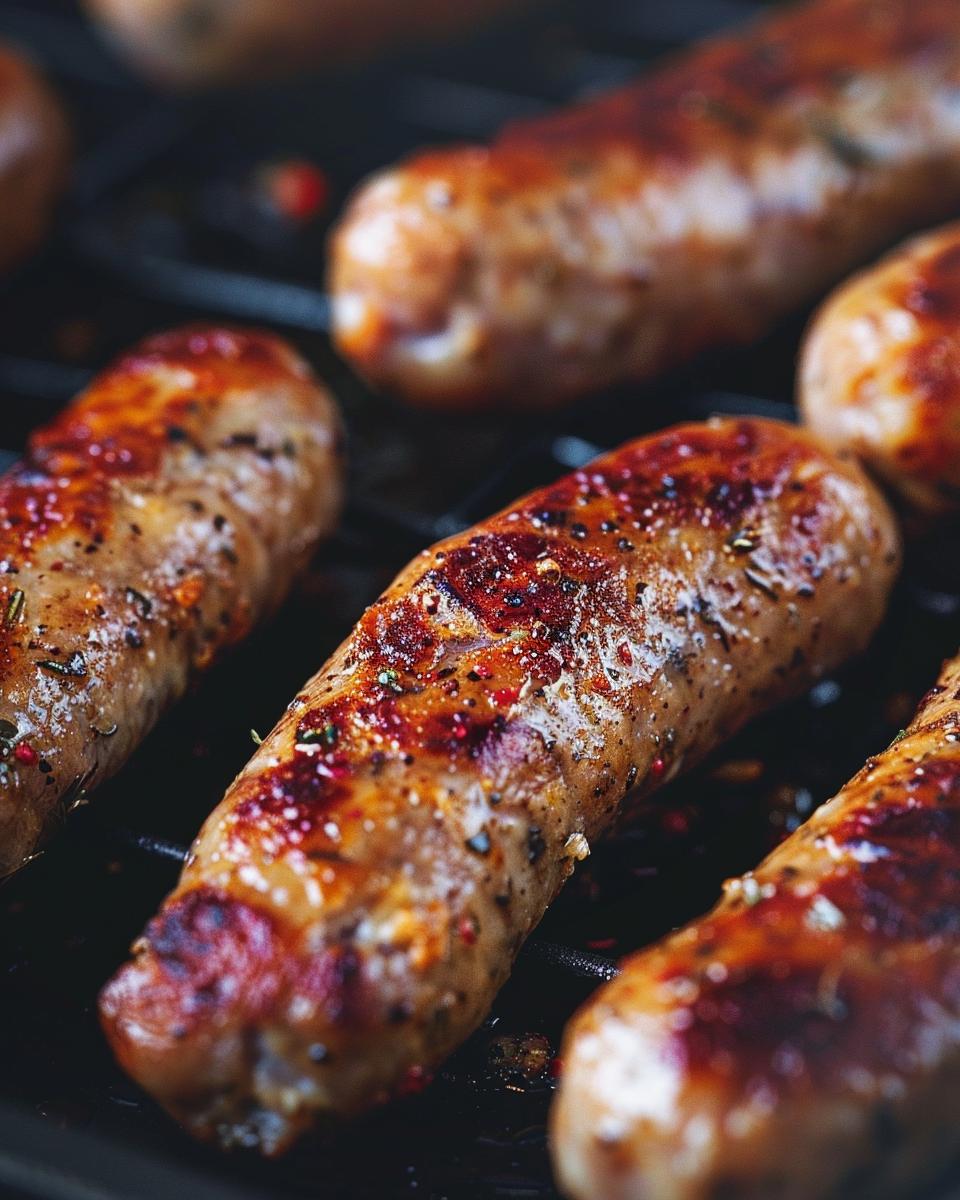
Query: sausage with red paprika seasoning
[(802, 1040), (351, 908), (152, 523), (689, 210)]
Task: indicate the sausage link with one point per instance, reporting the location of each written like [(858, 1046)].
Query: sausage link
[(192, 43), (354, 904), (880, 371), (690, 210), (34, 153), (802, 1040), (151, 524)]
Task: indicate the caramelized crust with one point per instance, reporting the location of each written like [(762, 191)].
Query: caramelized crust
[(690, 210), (354, 904), (880, 371), (803, 1039), (192, 43), (162, 514), (34, 152)]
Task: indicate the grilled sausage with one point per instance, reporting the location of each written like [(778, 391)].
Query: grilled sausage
[(192, 43), (353, 905), (34, 149), (802, 1041), (880, 371), (152, 523), (691, 210)]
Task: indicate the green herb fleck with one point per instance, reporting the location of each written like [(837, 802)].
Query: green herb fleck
[(75, 667), (14, 608), (388, 679), (256, 738)]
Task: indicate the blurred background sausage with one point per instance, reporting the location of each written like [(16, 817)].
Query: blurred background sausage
[(191, 43), (34, 153), (690, 210)]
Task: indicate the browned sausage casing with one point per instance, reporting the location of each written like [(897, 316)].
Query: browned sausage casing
[(34, 148), (354, 904), (802, 1041), (162, 514), (200, 42), (880, 371), (689, 210)]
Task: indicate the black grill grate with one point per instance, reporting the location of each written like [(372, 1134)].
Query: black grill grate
[(160, 229)]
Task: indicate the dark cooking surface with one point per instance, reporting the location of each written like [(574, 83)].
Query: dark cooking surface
[(165, 226)]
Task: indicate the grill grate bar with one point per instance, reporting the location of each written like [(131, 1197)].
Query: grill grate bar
[(581, 963), (233, 293), (134, 146)]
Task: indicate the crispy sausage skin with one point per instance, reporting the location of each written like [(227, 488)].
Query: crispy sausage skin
[(152, 523), (34, 152), (691, 210), (880, 371), (353, 905), (802, 1041), (191, 43)]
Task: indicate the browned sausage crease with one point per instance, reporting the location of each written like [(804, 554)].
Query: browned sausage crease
[(689, 210), (355, 902), (802, 1040), (152, 523)]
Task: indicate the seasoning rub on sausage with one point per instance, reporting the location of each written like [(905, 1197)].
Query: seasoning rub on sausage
[(690, 210), (152, 523), (801, 1041), (355, 902)]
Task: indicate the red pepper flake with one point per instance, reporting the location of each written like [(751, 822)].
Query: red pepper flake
[(658, 766), (414, 1081), (482, 671), (459, 727), (506, 695), (468, 931), (624, 654), (26, 754), (298, 189), (676, 822)]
